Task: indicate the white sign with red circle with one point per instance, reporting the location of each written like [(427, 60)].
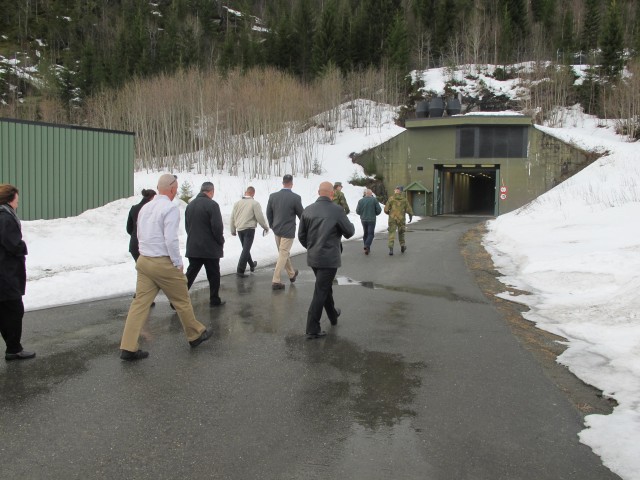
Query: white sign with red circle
[(503, 192)]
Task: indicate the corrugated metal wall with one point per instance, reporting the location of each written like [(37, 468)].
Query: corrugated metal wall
[(62, 171)]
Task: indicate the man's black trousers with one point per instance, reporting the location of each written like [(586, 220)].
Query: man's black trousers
[(322, 298), (11, 313), (212, 267)]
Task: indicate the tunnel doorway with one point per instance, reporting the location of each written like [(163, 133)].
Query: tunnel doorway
[(466, 189)]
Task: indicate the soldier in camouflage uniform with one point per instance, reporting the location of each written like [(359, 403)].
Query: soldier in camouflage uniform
[(339, 198), (397, 207)]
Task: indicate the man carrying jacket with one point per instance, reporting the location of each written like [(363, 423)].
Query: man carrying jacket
[(322, 226), (205, 241)]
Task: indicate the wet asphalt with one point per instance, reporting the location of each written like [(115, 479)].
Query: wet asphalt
[(421, 379)]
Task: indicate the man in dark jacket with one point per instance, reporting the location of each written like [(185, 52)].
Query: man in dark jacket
[(132, 222), (282, 209), (13, 275), (322, 226), (368, 208), (205, 240)]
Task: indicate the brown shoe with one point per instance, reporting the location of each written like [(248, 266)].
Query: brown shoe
[(295, 275), (277, 286)]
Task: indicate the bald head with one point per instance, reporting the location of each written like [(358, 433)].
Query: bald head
[(368, 192), (168, 185), (326, 190)]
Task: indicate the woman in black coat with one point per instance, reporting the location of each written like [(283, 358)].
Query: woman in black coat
[(132, 222), (13, 275)]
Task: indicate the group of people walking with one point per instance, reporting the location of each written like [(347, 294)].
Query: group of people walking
[(153, 225)]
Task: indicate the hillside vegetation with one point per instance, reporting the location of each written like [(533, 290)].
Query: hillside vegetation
[(240, 77)]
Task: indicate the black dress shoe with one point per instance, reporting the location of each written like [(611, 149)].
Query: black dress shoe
[(253, 266), (312, 336), (202, 338), (23, 355), (295, 275), (217, 304), (335, 320), (132, 356), (277, 286), (403, 249), (242, 274)]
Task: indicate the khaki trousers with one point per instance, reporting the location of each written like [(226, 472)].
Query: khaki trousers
[(284, 258), (154, 274)]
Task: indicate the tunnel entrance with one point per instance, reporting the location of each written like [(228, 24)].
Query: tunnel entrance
[(466, 189)]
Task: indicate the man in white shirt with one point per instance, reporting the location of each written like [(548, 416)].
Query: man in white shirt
[(160, 267)]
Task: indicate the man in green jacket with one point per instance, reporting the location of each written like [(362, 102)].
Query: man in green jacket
[(368, 208), (397, 207), (339, 198)]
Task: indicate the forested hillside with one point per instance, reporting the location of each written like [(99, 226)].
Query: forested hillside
[(58, 56)]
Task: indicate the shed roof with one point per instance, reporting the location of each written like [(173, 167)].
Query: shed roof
[(417, 187), (468, 120)]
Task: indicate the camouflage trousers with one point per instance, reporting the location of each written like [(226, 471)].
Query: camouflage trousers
[(401, 228)]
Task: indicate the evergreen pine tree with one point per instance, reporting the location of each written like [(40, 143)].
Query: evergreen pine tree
[(517, 27), (506, 47), (549, 17), (302, 39), (359, 39), (566, 37), (612, 61), (227, 58), (397, 46), (343, 57), (591, 27), (445, 27), (538, 10), (325, 42)]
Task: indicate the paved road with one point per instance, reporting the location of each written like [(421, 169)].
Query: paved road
[(421, 379)]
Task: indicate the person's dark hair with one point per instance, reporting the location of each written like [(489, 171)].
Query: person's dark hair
[(287, 179), (7, 193), (148, 193), (206, 187)]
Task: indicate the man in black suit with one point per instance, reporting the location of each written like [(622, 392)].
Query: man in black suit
[(205, 240), (132, 222), (282, 209), (322, 226)]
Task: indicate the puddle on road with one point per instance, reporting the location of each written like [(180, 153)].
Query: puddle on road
[(378, 387), (446, 293)]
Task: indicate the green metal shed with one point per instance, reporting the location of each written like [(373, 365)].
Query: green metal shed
[(64, 170), (418, 196)]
